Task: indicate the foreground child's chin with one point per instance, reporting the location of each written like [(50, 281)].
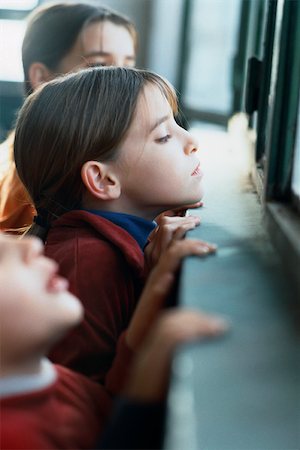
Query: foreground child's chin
[(72, 307)]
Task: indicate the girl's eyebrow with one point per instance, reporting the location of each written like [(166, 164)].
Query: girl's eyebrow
[(102, 53), (96, 53), (159, 122)]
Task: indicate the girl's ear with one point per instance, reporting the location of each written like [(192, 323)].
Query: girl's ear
[(100, 181), (38, 74)]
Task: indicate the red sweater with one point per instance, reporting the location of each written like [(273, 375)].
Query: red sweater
[(105, 269), (69, 414)]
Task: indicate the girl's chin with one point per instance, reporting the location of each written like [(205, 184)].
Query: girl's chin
[(71, 306), (74, 304)]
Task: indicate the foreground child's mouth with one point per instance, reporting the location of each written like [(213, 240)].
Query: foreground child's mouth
[(197, 171), (57, 284)]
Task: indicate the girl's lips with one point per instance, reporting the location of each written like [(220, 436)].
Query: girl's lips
[(197, 171)]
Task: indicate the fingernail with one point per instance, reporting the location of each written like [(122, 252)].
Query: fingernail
[(220, 324), (203, 249)]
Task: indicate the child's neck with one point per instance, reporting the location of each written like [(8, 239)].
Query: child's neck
[(122, 206), (27, 365)]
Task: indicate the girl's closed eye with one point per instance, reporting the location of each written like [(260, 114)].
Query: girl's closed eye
[(99, 64), (164, 139)]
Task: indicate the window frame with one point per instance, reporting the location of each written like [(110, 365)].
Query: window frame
[(281, 215), (283, 103)]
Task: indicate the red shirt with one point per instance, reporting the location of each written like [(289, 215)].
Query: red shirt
[(105, 269), (71, 413)]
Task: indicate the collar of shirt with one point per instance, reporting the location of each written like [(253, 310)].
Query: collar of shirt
[(137, 227), (24, 384)]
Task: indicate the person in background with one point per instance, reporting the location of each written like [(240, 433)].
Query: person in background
[(47, 406), (61, 38)]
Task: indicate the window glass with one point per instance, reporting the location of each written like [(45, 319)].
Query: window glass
[(296, 169), (20, 5), (11, 38), (213, 35)]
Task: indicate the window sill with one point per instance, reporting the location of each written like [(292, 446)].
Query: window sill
[(284, 227)]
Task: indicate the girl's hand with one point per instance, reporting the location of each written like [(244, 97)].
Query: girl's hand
[(169, 229), (170, 330), (159, 285)]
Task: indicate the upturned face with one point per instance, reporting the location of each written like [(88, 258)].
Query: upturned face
[(36, 307), (158, 162)]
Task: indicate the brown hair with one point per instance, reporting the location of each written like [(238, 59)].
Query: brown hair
[(53, 29), (73, 119)]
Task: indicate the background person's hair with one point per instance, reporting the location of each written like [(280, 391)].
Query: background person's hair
[(53, 29), (80, 117)]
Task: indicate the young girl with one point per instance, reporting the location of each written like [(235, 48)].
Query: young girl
[(49, 406), (101, 155), (61, 38)]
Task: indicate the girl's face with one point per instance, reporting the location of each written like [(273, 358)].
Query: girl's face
[(100, 43), (158, 164), (36, 307)]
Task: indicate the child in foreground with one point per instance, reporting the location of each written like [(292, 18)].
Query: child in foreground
[(101, 156), (46, 406)]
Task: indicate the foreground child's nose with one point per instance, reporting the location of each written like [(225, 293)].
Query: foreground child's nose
[(32, 246)]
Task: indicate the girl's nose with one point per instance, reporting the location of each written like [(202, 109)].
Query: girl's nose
[(191, 144)]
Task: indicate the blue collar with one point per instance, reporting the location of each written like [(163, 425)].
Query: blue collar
[(137, 227)]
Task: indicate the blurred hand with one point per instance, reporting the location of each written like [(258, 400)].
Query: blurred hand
[(150, 372), (159, 284)]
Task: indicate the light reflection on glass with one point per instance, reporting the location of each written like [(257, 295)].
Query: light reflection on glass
[(296, 168), (20, 5), (213, 45), (11, 38)]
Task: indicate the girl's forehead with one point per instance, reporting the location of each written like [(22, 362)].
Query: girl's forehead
[(105, 35), (152, 103), (153, 90)]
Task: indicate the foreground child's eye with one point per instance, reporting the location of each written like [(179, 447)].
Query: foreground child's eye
[(164, 139)]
